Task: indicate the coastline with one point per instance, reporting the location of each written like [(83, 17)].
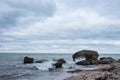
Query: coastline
[(104, 72), (13, 68)]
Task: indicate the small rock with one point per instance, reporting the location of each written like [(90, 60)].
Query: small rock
[(58, 65), (61, 61), (40, 61), (74, 71), (28, 60)]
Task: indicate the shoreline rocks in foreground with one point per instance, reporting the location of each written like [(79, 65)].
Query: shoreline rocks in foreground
[(108, 68), (104, 72), (91, 58)]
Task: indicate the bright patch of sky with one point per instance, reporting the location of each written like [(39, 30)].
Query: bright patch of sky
[(59, 26)]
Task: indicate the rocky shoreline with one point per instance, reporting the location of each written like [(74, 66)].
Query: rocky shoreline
[(107, 67), (104, 72)]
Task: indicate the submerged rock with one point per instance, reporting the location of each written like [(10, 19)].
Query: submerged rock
[(28, 60), (40, 61)]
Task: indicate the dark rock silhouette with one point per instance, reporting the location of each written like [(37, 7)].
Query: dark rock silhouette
[(87, 54), (28, 60), (40, 61), (83, 62), (106, 60), (58, 65), (91, 57), (75, 71), (61, 61)]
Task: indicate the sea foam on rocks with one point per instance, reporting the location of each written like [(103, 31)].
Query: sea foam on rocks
[(44, 66)]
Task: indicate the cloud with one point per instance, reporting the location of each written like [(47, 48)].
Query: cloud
[(59, 26), (18, 13), (84, 23), (107, 8), (61, 46)]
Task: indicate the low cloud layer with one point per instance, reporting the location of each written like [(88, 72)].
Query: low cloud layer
[(59, 26)]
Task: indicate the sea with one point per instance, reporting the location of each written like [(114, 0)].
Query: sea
[(13, 68)]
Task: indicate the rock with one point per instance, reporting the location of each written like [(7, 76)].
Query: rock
[(75, 71), (104, 76), (40, 61), (103, 72), (105, 67), (28, 60), (87, 54), (61, 61), (83, 62), (58, 65), (103, 62), (106, 60)]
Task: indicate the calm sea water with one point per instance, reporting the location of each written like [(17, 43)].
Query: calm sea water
[(12, 67)]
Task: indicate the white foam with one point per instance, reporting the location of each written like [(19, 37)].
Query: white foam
[(44, 66)]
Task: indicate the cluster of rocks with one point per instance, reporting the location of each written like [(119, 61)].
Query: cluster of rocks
[(108, 68), (104, 72), (58, 63), (91, 58)]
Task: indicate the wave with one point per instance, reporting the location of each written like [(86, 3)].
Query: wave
[(44, 66)]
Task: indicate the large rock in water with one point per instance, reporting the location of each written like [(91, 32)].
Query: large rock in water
[(28, 60), (87, 54), (91, 57)]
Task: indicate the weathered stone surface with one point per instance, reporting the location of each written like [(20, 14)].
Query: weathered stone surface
[(106, 60), (104, 72), (28, 60), (87, 54), (83, 62)]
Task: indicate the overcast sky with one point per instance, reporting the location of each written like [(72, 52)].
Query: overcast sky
[(59, 26)]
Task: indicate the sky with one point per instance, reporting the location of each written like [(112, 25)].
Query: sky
[(59, 26)]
